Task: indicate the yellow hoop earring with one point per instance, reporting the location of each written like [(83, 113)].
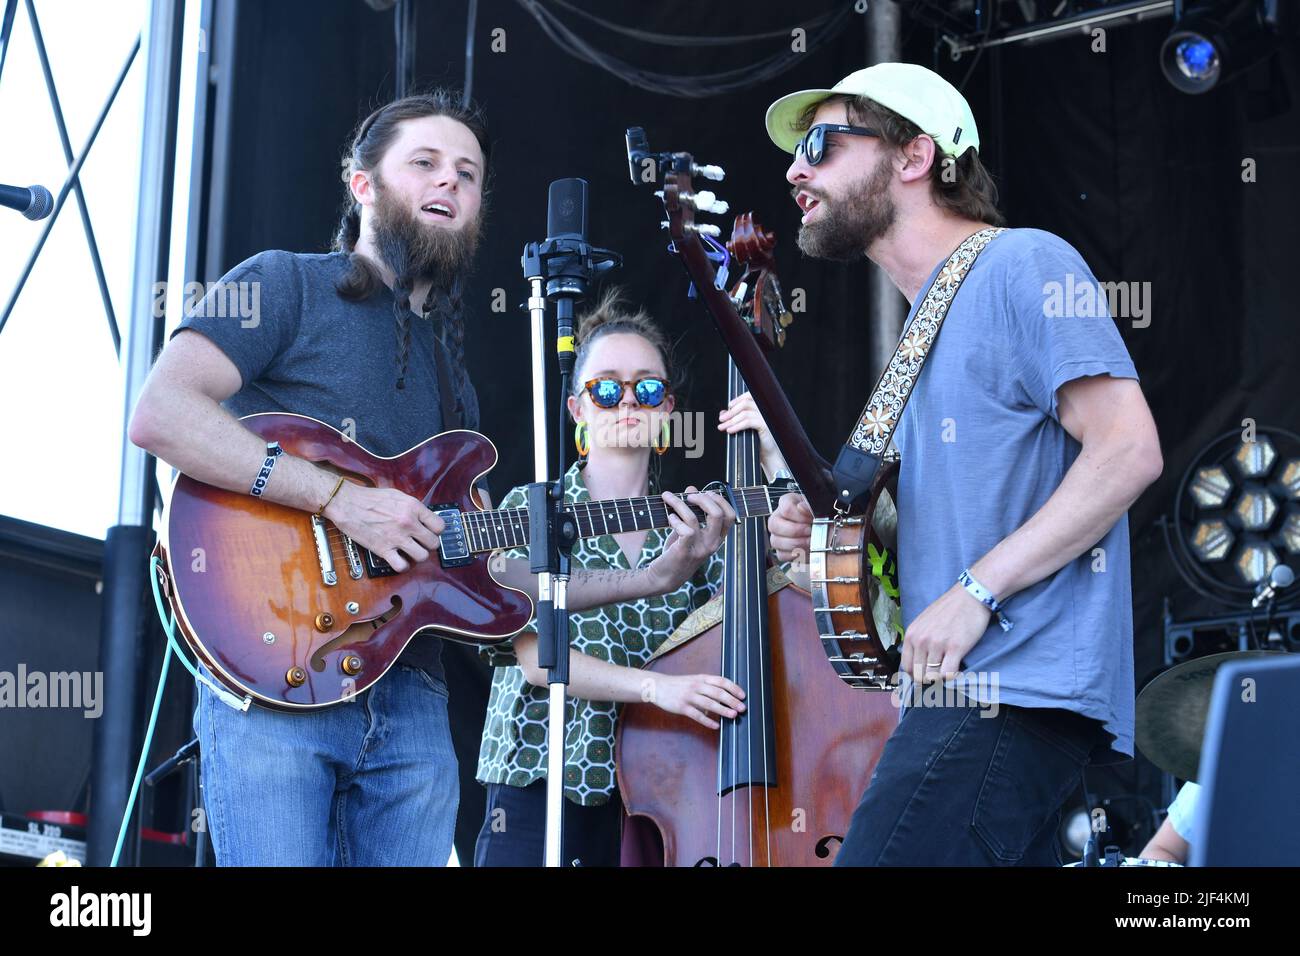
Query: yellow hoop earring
[(582, 439), (665, 437)]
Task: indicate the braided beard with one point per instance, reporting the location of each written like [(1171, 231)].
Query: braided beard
[(415, 251)]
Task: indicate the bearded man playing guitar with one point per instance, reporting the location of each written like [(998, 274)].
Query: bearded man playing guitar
[(1023, 445), (372, 781)]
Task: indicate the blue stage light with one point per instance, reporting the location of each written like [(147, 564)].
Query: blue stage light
[(1197, 58), (1214, 40)]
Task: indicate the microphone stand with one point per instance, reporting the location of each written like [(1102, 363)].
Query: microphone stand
[(558, 269)]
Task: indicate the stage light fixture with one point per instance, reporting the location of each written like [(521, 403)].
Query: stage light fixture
[(1256, 562), (1290, 479), (1291, 533), (1212, 540), (1237, 512), (1255, 458), (1214, 40), (1211, 487), (1256, 509)]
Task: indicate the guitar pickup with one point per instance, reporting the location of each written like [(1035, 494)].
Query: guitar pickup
[(377, 567), (453, 548)]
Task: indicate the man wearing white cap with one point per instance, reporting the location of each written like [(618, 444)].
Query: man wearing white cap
[(1024, 443)]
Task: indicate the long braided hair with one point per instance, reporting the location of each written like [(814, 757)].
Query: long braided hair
[(369, 144)]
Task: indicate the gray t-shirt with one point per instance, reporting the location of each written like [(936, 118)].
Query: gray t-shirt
[(300, 347), (983, 450)]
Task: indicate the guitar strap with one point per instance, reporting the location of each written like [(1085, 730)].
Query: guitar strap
[(860, 458), (450, 407)]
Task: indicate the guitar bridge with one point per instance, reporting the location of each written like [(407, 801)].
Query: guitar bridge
[(324, 556)]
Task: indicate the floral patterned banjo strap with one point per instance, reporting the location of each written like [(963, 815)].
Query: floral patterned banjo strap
[(861, 455)]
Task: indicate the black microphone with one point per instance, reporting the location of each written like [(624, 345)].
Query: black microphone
[(34, 202), (566, 210), (566, 234)]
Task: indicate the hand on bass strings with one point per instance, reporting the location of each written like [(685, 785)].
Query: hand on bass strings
[(742, 414), (697, 696)]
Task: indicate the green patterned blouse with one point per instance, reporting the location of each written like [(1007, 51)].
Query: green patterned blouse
[(513, 750)]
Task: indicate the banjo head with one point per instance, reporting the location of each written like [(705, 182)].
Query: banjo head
[(853, 578)]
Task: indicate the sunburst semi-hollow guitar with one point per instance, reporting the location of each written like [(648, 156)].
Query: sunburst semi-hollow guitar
[(283, 607)]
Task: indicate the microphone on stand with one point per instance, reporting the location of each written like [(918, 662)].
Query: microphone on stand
[(559, 269), (34, 202), (569, 260), (566, 231), (1281, 579)]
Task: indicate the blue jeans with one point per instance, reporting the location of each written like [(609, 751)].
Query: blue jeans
[(370, 782), (954, 788)]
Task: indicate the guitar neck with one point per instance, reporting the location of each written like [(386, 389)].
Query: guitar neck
[(508, 527)]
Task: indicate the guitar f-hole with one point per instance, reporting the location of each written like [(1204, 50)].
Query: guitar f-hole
[(356, 633)]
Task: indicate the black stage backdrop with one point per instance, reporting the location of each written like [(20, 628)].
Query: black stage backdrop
[(1095, 146)]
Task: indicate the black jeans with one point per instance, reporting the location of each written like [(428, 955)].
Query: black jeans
[(514, 829), (954, 788)]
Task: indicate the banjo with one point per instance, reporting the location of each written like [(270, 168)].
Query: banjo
[(852, 559)]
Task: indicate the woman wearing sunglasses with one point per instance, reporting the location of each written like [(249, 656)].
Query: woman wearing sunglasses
[(625, 394)]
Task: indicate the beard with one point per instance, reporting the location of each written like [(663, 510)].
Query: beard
[(416, 250), (847, 227)]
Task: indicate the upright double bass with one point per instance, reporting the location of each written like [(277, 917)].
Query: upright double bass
[(777, 785)]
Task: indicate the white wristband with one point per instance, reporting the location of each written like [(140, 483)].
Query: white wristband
[(985, 597)]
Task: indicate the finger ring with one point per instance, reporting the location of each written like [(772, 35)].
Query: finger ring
[(940, 664)]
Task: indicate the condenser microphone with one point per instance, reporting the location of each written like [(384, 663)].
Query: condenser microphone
[(34, 202), (566, 233), (566, 210)]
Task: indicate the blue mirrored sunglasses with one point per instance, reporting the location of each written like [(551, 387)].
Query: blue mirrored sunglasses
[(608, 392)]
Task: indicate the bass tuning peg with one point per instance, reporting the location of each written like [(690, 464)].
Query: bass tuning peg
[(706, 201)]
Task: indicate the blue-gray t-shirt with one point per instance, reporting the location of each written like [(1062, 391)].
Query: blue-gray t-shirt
[(983, 449), (302, 348)]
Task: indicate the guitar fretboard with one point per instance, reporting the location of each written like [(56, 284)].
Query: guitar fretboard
[(508, 527)]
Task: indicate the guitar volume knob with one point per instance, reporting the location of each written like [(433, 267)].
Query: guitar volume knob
[(295, 677), (324, 621), (351, 665)]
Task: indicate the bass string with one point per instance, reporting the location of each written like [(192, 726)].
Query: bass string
[(727, 640), (759, 582), (747, 542), (755, 603)]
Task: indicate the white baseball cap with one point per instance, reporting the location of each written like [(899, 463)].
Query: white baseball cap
[(913, 92)]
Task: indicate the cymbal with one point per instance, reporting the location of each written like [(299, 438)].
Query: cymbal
[(1172, 709)]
